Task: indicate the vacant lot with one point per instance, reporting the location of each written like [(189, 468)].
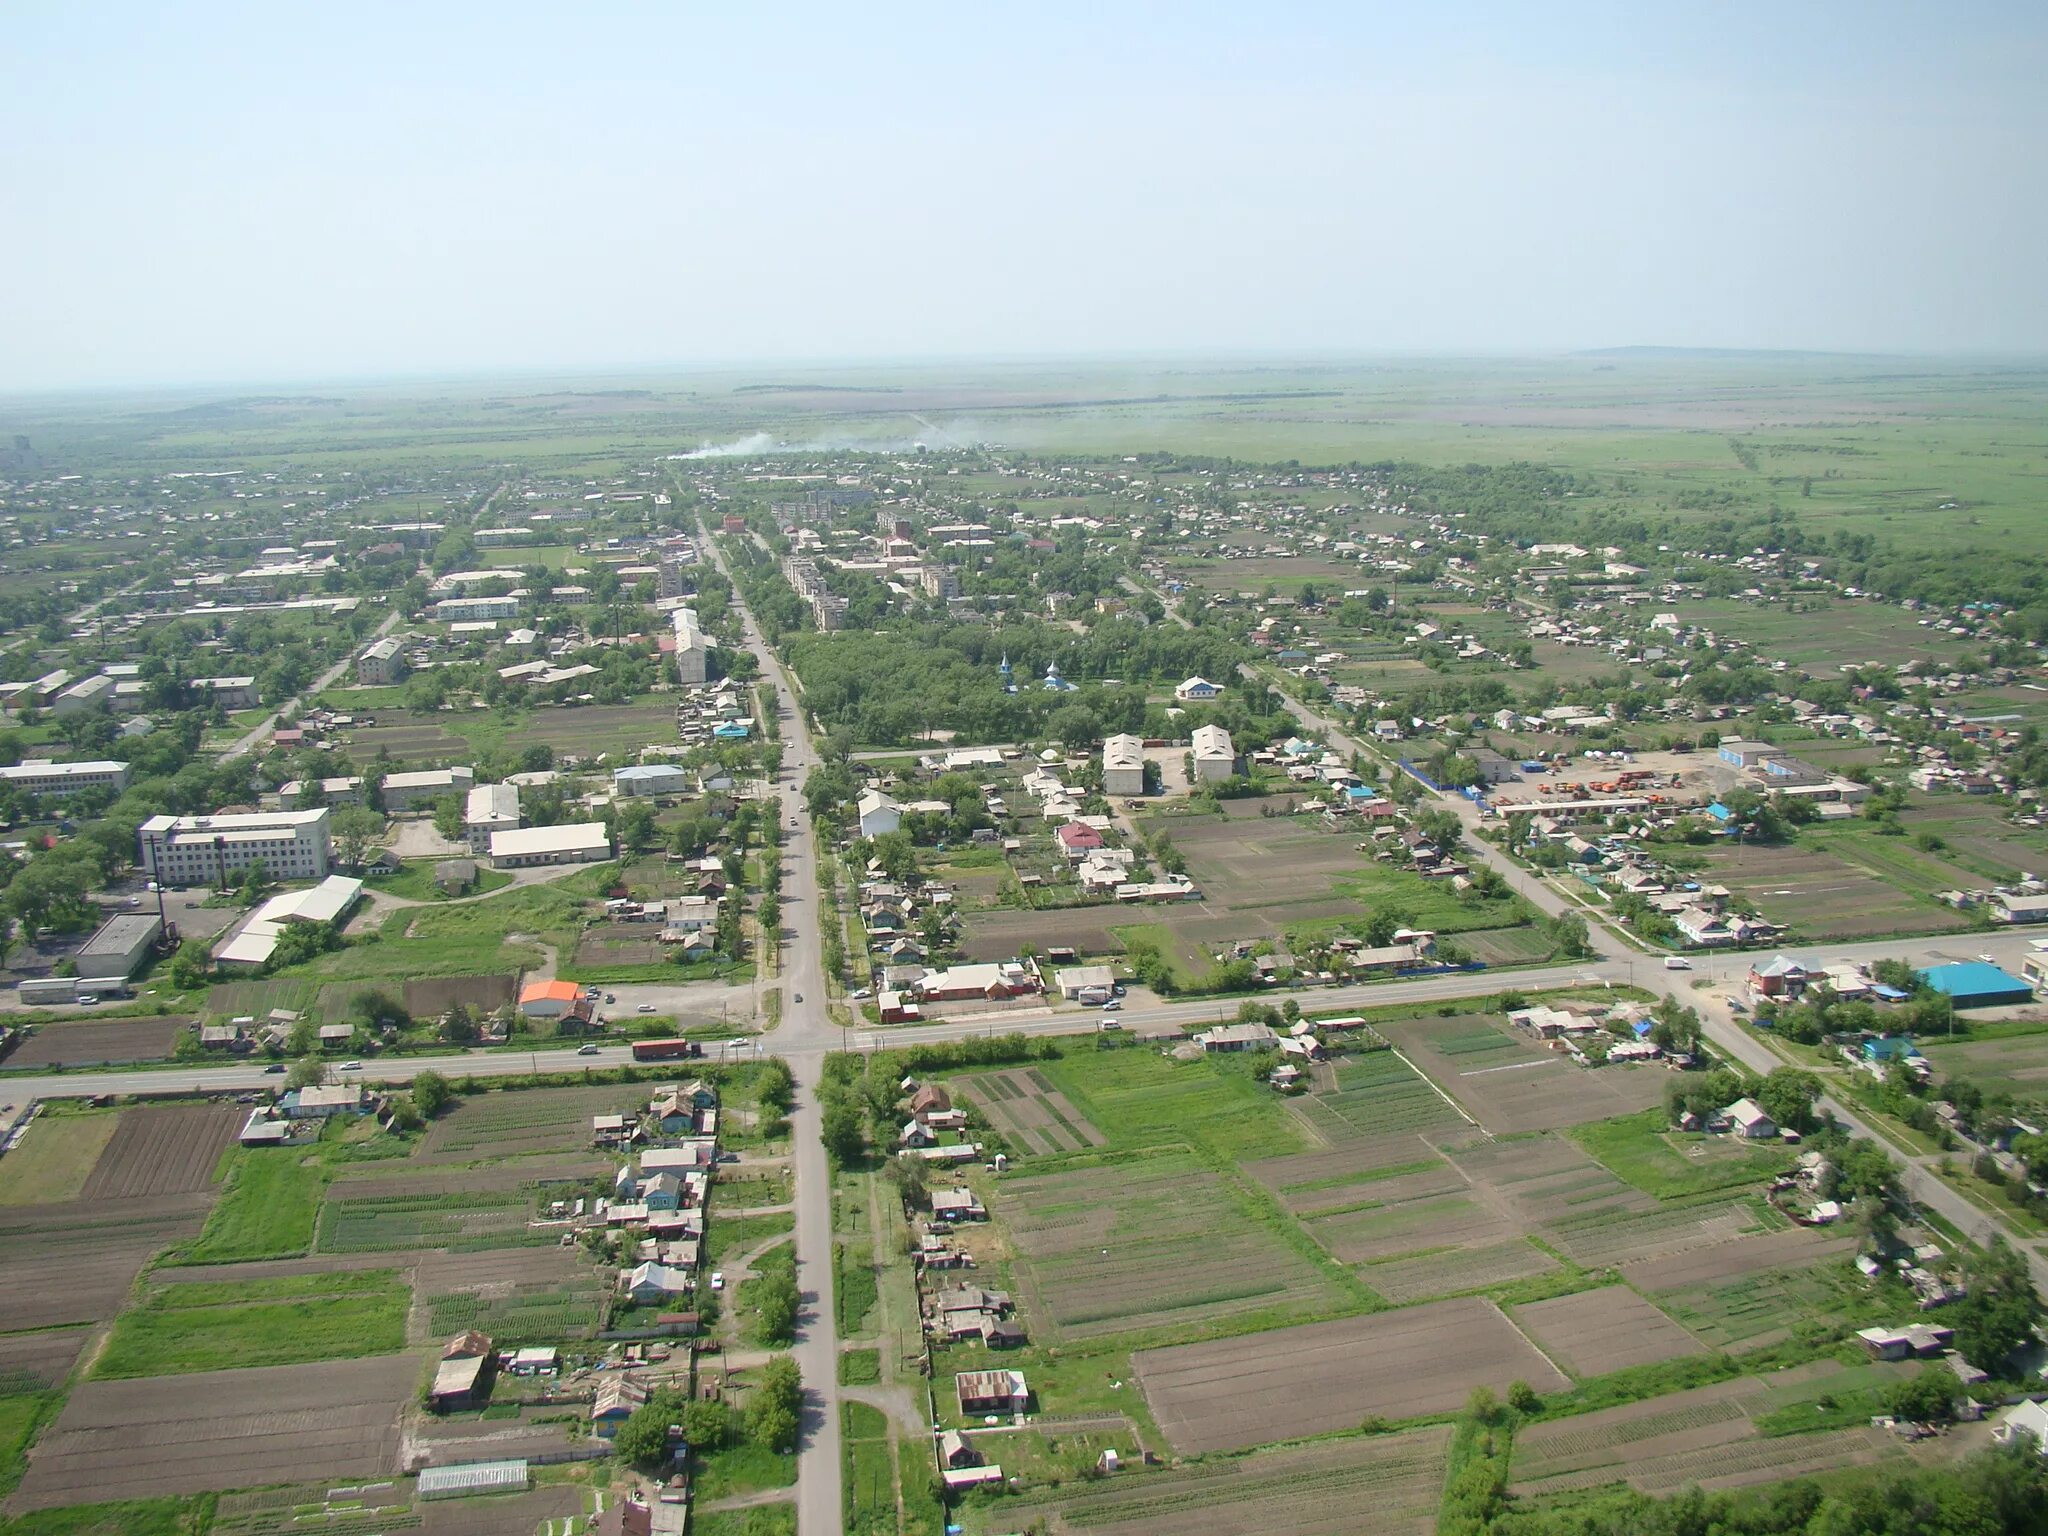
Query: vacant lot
[(609, 944), (1594, 1332), (2017, 1064), (268, 1209), (1136, 1245), (164, 1150), (1511, 1085), (1290, 1382), (87, 1045), (225, 1429), (1031, 1114), (74, 1263), (431, 998), (54, 1158), (1310, 1491), (1753, 1292)]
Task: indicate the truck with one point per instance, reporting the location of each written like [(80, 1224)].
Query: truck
[(665, 1050)]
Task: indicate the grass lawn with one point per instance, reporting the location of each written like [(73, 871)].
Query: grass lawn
[(860, 1367), (415, 882), (279, 1322), (762, 1520), (20, 1413), (134, 1517), (54, 1159), (727, 1237), (268, 1211), (742, 1468), (1672, 1165)]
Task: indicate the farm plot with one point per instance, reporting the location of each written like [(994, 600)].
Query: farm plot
[(431, 998), (1512, 1086), (206, 1325), (1610, 1329), (54, 1157), (1823, 896), (2017, 1064), (74, 1263), (1032, 1114), (535, 1120), (1753, 1292), (1312, 1491), (609, 944), (1435, 1273), (1432, 1222), (1705, 1436), (358, 1180), (1314, 1182), (103, 1040), (164, 1151), (30, 1362), (1377, 1094), (518, 1296), (458, 1222), (1602, 1237), (1137, 1245), (1547, 1178), (222, 1429), (1288, 1382)]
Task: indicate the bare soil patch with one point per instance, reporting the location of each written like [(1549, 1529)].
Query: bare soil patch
[(1288, 1382), (433, 997), (75, 1263), (1732, 1260), (164, 1150), (222, 1429), (1594, 1332), (108, 1040), (32, 1361), (1516, 1086)]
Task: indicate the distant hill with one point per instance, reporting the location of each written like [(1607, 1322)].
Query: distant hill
[(1732, 354)]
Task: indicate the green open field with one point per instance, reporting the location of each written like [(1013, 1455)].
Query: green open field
[(52, 1162), (203, 1327), (267, 1210)]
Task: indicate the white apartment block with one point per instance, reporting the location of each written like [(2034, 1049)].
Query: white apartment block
[(382, 663), (409, 791), (40, 776), (491, 808), (207, 850), (693, 647), (464, 608)]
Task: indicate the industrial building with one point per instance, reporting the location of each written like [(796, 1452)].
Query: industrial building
[(1977, 984), (693, 648), (251, 946), (118, 949), (1123, 766), (584, 842)]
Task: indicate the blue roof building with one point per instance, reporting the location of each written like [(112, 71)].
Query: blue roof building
[(1890, 1048), (1977, 984)]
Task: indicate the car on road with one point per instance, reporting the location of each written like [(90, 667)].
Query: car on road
[(1112, 1023), (645, 1008), (89, 1000), (737, 1043), (799, 997), (587, 1050), (274, 1067), (351, 1066), (609, 998), (718, 1279), (1677, 963)]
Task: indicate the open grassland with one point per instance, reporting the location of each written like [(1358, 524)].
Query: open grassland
[(203, 1327), (1155, 1242), (1291, 1382), (54, 1158), (1642, 1149)]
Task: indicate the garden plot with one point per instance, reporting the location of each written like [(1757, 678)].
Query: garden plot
[(1511, 1085), (1290, 1382), (1437, 1223), (433, 997), (612, 944), (1546, 1178), (1824, 896), (2017, 1064), (1594, 1332), (1313, 1182), (458, 1222), (532, 1120), (164, 1151), (30, 1362), (1751, 1293), (1031, 1114), (518, 1296), (1420, 1276), (1377, 1095), (356, 1180), (75, 1263), (101, 1041), (1138, 1245), (222, 1429), (1705, 1436), (1311, 1491), (1601, 1237)]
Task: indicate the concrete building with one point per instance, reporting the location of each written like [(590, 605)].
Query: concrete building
[(489, 810), (1123, 766), (582, 843), (459, 609), (206, 850), (228, 692), (40, 776), (251, 946), (1197, 690), (381, 664), (878, 814), (693, 647), (119, 948), (652, 779), (1214, 753), (95, 692), (410, 791)]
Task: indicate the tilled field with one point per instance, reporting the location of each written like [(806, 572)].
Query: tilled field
[(1469, 1269), (361, 1180), (1291, 1382), (1732, 1260), (1314, 1491), (1308, 1182), (31, 1361), (1512, 1086), (222, 1429), (1601, 1237), (108, 1040), (1031, 1113), (1594, 1332), (1109, 1250), (535, 1120), (1434, 1225), (164, 1150), (75, 1263)]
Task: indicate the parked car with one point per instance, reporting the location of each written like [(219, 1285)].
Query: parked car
[(1112, 1005), (609, 998), (799, 997), (88, 1001), (718, 1279)]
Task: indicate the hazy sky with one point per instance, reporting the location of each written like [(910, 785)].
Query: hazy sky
[(204, 192)]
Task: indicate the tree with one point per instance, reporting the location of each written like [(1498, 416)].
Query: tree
[(776, 1302), (774, 1413), (840, 1129), (190, 965), (306, 1072), (636, 830), (1997, 1315), (1928, 1398), (431, 1092), (355, 828), (707, 1426), (643, 1438), (1787, 1096)]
